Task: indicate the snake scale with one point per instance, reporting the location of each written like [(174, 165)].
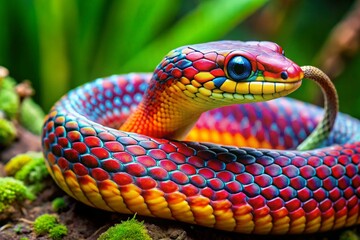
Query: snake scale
[(108, 144)]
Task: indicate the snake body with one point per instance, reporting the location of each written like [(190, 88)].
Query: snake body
[(265, 188)]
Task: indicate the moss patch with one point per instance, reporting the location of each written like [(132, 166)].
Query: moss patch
[(127, 230)]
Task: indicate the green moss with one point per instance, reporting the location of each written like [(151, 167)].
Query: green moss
[(128, 230), (18, 228), (349, 235), (44, 223), (24, 238), (12, 191), (31, 173), (9, 102), (58, 204), (8, 83), (48, 224), (16, 163), (58, 232), (7, 132), (31, 116)]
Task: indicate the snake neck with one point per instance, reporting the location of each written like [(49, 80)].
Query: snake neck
[(166, 111)]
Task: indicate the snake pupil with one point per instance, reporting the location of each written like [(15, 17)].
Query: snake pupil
[(239, 68), (284, 75)]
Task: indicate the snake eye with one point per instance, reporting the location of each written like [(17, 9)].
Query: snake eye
[(239, 68)]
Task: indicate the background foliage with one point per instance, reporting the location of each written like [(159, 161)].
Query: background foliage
[(60, 44)]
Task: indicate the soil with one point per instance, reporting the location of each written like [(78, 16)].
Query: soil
[(84, 222)]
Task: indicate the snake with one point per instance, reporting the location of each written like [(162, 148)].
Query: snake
[(210, 139)]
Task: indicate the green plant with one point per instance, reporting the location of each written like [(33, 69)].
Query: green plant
[(126, 230), (58, 231), (7, 132), (32, 174), (12, 191), (18, 228), (16, 163), (29, 168), (7, 83), (9, 102), (349, 235), (44, 223), (48, 224), (31, 116), (58, 204), (24, 238)]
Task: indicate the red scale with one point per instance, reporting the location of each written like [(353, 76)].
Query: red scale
[(207, 192), (114, 146), (111, 165), (270, 192), (168, 186), (157, 154), (179, 177), (146, 183), (122, 178), (135, 150), (63, 163), (62, 141), (220, 195), (73, 136), (215, 165), (135, 169), (123, 157), (89, 161), (177, 157), (159, 173), (100, 152), (187, 169), (258, 202), (287, 193), (190, 72), (233, 186), (204, 65), (263, 180), (147, 161), (106, 136), (92, 141), (80, 147), (71, 155), (80, 169), (198, 180), (193, 56), (196, 161), (189, 190), (168, 165), (166, 147), (99, 174), (215, 184)]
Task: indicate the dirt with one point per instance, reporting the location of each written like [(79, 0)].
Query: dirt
[(84, 222)]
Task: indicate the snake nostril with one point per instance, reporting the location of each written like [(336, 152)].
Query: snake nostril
[(284, 75)]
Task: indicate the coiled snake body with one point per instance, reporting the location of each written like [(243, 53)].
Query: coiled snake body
[(267, 188)]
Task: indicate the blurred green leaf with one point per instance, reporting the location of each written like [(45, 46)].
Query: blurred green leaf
[(132, 24), (85, 34), (55, 69), (210, 20)]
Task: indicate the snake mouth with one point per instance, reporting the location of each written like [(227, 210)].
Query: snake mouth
[(257, 91)]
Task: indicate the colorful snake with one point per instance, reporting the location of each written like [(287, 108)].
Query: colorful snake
[(235, 171)]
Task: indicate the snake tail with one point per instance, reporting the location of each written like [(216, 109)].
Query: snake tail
[(331, 107)]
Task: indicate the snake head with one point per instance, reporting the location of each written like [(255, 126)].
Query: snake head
[(230, 71)]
